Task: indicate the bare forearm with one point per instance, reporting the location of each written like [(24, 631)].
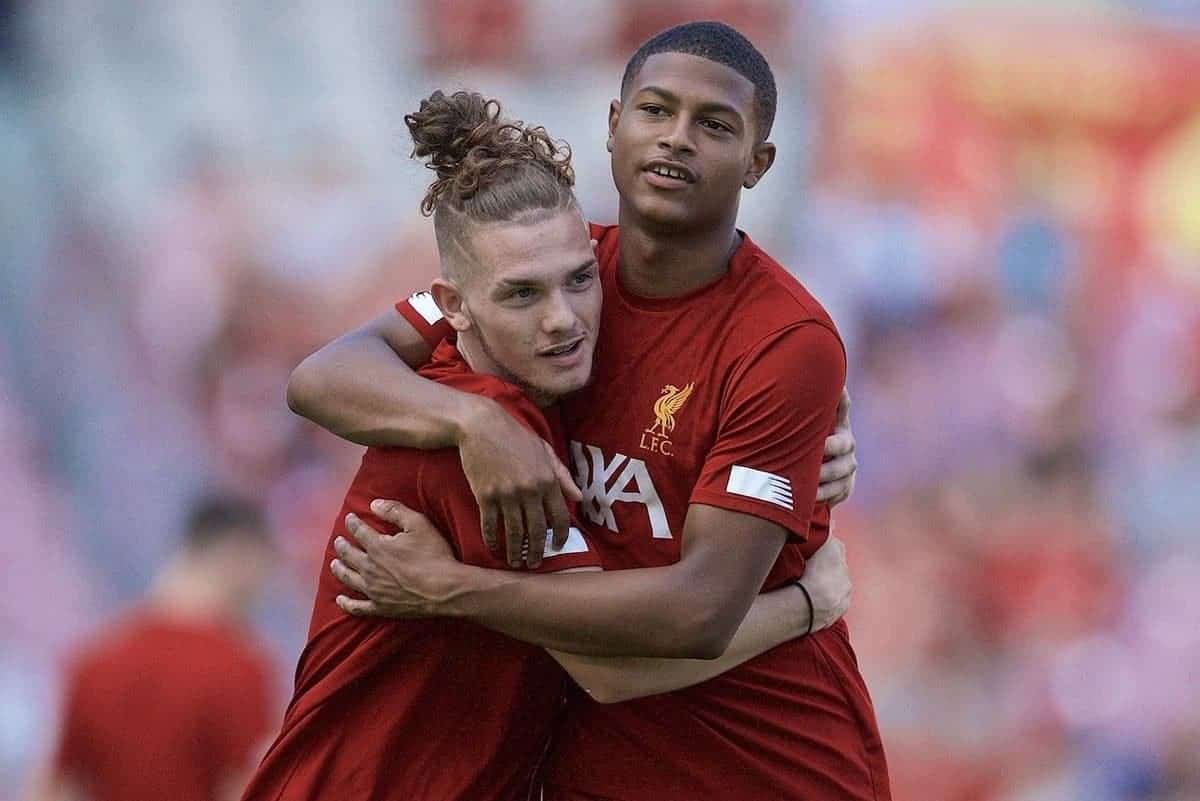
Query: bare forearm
[(358, 388), (656, 612), (774, 618)]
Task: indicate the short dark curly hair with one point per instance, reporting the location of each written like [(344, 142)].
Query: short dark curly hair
[(717, 42)]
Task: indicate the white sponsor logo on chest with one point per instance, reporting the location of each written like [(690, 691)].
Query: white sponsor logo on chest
[(632, 485)]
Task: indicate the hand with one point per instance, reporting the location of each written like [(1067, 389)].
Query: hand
[(517, 478), (840, 465), (827, 579), (404, 575)]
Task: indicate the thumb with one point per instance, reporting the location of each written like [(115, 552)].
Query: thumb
[(569, 490), (843, 409)]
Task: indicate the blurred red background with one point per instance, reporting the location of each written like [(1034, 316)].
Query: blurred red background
[(1001, 209)]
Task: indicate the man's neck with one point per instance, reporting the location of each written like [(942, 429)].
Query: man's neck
[(185, 590), (661, 264)]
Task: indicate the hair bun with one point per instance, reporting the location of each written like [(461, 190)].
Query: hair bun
[(447, 127), (463, 138)]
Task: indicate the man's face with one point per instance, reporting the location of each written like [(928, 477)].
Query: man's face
[(684, 142), (534, 306)]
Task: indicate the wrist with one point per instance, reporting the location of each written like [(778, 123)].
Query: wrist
[(467, 591), (468, 415)]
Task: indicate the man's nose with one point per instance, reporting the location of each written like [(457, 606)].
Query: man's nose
[(677, 138), (559, 315)]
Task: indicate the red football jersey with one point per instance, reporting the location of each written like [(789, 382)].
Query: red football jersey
[(164, 707), (722, 397), (437, 710)]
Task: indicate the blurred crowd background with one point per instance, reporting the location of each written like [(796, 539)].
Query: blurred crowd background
[(998, 202)]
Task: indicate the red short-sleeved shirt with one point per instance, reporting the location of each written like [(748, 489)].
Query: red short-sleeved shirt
[(164, 707), (722, 397), (436, 710)]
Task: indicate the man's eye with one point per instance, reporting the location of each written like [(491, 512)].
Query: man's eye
[(581, 279), (653, 110), (715, 125), (523, 293)]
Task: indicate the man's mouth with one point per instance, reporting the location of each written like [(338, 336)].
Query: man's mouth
[(670, 173), (568, 348)]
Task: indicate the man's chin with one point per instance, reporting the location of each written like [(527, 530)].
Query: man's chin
[(557, 390), (658, 212)]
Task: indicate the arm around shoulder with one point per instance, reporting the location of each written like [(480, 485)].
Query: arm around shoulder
[(362, 387)]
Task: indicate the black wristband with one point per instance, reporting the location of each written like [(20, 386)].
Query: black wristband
[(812, 612)]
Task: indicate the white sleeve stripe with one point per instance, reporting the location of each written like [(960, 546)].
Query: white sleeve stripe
[(761, 485), (575, 544), (424, 305)]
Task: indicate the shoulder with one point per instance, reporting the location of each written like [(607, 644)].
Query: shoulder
[(772, 294), (771, 309), (507, 395)]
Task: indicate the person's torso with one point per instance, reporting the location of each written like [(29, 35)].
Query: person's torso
[(150, 720), (640, 434), (641, 430)]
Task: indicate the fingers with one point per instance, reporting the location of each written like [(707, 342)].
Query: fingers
[(835, 492), (488, 516), (535, 524), (839, 443), (843, 410), (839, 468), (359, 608), (366, 536), (395, 512), (559, 519), (514, 532), (349, 555), (837, 478), (347, 576)]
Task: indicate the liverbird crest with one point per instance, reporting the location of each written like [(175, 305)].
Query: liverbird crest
[(671, 401)]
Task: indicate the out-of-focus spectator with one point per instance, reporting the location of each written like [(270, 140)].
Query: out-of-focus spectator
[(174, 700)]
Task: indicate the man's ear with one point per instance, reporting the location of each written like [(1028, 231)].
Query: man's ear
[(760, 161), (450, 300), (614, 116)]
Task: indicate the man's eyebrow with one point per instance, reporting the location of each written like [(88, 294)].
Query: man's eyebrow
[(519, 281), (709, 106), (534, 281)]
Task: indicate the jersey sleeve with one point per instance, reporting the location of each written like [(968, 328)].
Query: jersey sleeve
[(424, 315), (778, 407)]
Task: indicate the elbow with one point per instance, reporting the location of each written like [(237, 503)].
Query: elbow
[(304, 385), (707, 634), (707, 646)]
